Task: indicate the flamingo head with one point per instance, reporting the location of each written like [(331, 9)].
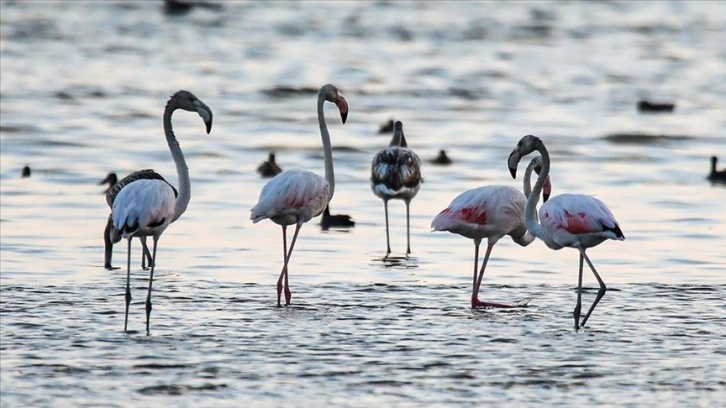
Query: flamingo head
[(547, 189), (526, 145), (187, 101), (332, 94)]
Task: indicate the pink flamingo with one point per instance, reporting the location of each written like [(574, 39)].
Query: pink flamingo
[(489, 212), (296, 196), (568, 220)]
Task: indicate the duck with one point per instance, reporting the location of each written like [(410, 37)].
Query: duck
[(645, 106), (716, 176), (441, 159), (335, 221), (269, 168)]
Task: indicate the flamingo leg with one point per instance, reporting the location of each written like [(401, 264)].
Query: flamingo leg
[(288, 293), (576, 312), (128, 284), (388, 242), (600, 293), (284, 264), (151, 280), (475, 296), (474, 300), (408, 229)]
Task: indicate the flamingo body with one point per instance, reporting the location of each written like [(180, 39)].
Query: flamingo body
[(291, 197), (396, 173), (577, 220), (143, 208), (486, 212), (110, 234)]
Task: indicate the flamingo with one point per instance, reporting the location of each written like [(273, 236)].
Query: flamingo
[(269, 168), (568, 220), (111, 235), (716, 176), (146, 206), (296, 196), (336, 220), (396, 174), (489, 212)]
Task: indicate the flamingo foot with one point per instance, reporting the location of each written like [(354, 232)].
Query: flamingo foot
[(288, 296), (476, 303)]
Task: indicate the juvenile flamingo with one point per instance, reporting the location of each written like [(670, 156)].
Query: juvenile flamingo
[(489, 212), (146, 207), (296, 196), (568, 220), (396, 174)]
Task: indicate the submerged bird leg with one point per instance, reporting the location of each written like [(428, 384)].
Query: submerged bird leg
[(408, 229), (151, 280), (475, 302), (600, 293), (284, 264), (388, 242), (128, 283), (288, 293), (578, 306)]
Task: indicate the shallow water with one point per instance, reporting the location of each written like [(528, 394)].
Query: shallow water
[(82, 91)]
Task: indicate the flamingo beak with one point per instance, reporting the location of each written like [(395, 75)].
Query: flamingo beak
[(205, 113), (342, 105), (547, 189), (512, 162)]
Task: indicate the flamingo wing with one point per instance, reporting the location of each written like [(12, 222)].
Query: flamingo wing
[(143, 205), (295, 195)]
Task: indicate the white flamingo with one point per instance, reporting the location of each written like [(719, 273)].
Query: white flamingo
[(396, 174), (111, 235), (568, 220), (296, 196), (489, 212), (145, 207)]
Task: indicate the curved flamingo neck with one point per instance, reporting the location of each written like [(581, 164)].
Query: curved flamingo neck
[(182, 171), (530, 210), (327, 148)]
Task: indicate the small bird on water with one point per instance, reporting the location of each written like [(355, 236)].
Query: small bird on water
[(716, 176), (441, 159), (269, 168), (328, 221)]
